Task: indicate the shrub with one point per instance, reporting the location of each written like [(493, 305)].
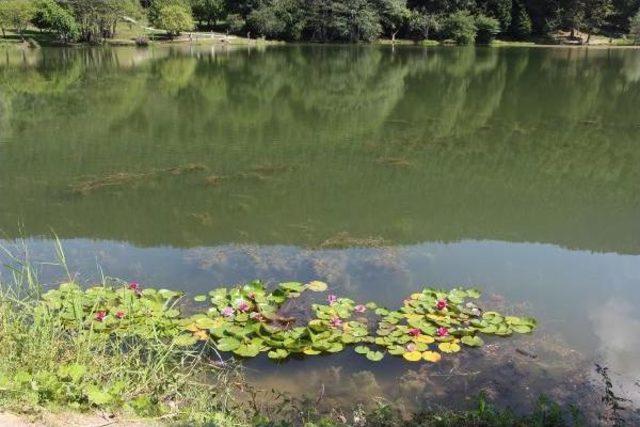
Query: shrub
[(460, 27), (175, 19), (16, 14), (50, 16), (235, 23), (487, 28)]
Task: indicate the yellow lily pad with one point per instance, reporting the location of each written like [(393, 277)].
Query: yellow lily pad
[(425, 339), (412, 356), (431, 356), (449, 347)]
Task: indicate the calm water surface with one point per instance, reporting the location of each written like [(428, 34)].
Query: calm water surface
[(377, 170)]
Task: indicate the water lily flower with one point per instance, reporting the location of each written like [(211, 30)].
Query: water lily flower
[(228, 311), (332, 299), (335, 322), (120, 314), (414, 332), (441, 304), (100, 315), (442, 332), (360, 308), (251, 296), (134, 286), (242, 305), (256, 316), (411, 347)]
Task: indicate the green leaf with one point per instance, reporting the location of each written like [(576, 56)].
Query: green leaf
[(316, 286), (228, 344), (472, 341), (98, 397), (245, 350), (375, 356), (185, 340), (292, 286), (362, 349), (200, 298), (278, 354)]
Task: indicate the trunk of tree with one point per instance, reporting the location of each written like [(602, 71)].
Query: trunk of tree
[(3, 33), (588, 38), (393, 37)]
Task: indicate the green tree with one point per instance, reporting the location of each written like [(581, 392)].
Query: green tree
[(421, 23), (16, 14), (634, 27), (521, 25), (283, 19), (50, 16), (461, 27), (487, 28), (98, 19), (175, 19), (499, 9), (393, 14), (235, 23), (596, 13), (342, 20), (208, 11)]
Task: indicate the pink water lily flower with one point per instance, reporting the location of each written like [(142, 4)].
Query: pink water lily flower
[(256, 316), (242, 305), (332, 299), (120, 314), (228, 311), (441, 304), (360, 308), (442, 332), (101, 315), (335, 322), (414, 332), (134, 286), (411, 347)]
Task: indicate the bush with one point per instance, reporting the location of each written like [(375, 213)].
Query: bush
[(460, 27), (175, 19), (235, 23), (16, 14), (50, 16), (487, 28)]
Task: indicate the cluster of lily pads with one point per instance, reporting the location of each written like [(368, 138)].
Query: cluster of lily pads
[(250, 319)]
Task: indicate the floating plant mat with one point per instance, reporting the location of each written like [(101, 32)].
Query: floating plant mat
[(249, 319)]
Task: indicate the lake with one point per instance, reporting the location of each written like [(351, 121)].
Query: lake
[(377, 170)]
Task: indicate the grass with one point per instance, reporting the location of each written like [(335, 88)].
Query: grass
[(45, 366)]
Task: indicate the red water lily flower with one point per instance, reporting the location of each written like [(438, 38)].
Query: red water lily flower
[(100, 315), (335, 322), (120, 314), (360, 308), (242, 305), (441, 304), (134, 286), (414, 332), (442, 332)]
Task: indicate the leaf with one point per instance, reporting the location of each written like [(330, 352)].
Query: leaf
[(412, 356), (292, 286), (521, 329), (431, 356), (245, 350), (278, 354), (473, 293), (375, 356), (206, 323), (449, 347), (228, 344), (426, 339), (472, 341), (310, 351), (362, 349), (97, 396), (184, 340), (316, 286), (200, 298)]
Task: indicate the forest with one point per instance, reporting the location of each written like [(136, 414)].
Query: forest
[(456, 21)]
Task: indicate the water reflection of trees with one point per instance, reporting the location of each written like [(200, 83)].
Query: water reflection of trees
[(408, 145)]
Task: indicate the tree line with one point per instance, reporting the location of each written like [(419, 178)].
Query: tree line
[(462, 21)]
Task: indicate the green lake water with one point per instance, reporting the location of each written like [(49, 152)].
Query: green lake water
[(377, 170)]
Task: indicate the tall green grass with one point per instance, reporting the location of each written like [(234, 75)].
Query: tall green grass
[(44, 365)]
